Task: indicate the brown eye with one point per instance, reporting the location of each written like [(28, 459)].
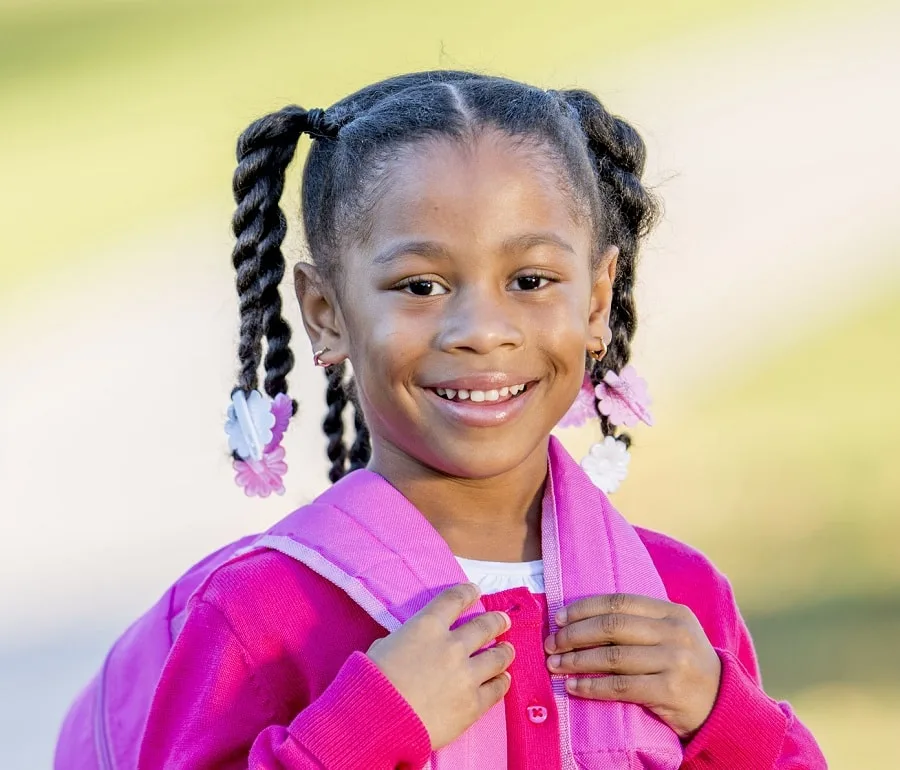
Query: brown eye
[(531, 282), (424, 288)]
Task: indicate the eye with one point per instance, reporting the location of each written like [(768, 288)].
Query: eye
[(530, 282), (422, 287)]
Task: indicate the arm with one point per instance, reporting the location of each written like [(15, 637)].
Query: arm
[(213, 708), (746, 729)]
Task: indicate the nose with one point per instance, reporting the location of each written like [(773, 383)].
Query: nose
[(480, 320)]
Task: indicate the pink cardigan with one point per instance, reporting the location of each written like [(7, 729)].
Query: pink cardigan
[(269, 671)]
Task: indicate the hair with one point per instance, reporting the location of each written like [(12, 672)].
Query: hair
[(356, 143)]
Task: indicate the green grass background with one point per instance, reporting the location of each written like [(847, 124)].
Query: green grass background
[(119, 117), (120, 114)]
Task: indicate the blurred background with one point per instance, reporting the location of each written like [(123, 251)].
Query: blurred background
[(769, 298)]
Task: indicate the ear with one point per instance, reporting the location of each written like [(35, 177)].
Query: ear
[(322, 317), (599, 333)]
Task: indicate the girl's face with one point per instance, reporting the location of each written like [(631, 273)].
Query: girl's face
[(476, 278)]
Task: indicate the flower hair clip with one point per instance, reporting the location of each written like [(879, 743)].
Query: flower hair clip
[(621, 398), (255, 427), (606, 464)]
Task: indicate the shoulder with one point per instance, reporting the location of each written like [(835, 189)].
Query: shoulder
[(691, 579), (678, 562), (266, 595)]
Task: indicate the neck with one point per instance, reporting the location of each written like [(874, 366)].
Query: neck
[(492, 519)]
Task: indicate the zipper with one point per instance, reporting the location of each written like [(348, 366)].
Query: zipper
[(101, 739)]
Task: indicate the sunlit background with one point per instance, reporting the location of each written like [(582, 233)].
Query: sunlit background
[(770, 301)]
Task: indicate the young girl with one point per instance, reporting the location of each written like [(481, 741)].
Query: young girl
[(464, 596)]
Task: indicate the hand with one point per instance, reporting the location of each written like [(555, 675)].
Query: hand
[(656, 653), (437, 671)]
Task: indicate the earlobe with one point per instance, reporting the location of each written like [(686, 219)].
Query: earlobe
[(321, 315)]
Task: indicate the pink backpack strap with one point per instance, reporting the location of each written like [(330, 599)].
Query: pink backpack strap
[(590, 549), (369, 540)]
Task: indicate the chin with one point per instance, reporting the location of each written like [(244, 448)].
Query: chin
[(479, 459)]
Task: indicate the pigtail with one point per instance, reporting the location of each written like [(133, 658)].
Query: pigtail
[(264, 151), (338, 394), (361, 449), (631, 211), (333, 424)]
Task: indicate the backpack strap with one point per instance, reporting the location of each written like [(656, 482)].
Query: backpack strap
[(589, 549), (366, 538)]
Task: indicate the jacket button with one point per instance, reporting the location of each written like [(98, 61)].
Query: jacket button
[(537, 714)]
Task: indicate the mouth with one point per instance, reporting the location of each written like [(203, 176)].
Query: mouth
[(477, 408), (493, 396)]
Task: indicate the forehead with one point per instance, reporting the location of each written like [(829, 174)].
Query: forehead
[(483, 188)]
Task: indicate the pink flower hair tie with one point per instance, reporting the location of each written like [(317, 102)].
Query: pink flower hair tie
[(623, 398), (255, 427)]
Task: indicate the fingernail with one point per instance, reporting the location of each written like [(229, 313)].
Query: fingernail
[(475, 589), (562, 617), (571, 685), (508, 620), (550, 644), (554, 661)]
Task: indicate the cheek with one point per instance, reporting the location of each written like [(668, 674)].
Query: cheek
[(383, 342), (563, 322)]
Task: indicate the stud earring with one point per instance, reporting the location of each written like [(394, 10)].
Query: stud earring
[(317, 356)]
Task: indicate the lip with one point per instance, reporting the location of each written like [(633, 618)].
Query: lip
[(484, 381), (483, 414)]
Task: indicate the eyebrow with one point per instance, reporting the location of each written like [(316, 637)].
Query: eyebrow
[(422, 248), (430, 249), (527, 241)]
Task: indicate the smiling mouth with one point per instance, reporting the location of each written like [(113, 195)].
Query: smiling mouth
[(481, 396)]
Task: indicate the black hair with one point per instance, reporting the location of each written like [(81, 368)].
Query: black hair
[(601, 156)]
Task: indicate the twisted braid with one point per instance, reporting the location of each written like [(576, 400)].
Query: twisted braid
[(630, 212), (264, 151), (333, 424), (361, 449)]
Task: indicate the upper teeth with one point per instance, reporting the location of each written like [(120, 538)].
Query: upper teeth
[(480, 395)]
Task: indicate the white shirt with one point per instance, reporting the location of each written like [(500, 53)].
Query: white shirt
[(495, 576)]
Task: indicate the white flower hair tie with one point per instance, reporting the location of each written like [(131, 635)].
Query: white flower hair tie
[(255, 427), (606, 464), (621, 398)]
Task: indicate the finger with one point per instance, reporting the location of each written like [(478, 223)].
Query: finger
[(643, 689), (493, 691), (607, 629), (481, 630), (604, 604), (491, 663), (450, 603), (612, 659)]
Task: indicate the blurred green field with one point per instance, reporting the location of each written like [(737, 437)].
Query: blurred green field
[(119, 115), (786, 475)]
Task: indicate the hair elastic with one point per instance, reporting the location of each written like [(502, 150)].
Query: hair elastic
[(255, 427)]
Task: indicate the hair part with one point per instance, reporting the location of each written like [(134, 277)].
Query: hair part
[(355, 147)]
